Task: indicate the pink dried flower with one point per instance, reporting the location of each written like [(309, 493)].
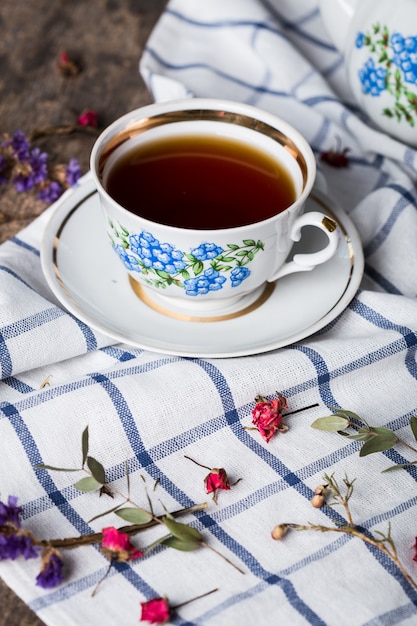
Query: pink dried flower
[(116, 545), (67, 66), (88, 118), (217, 479), (155, 611), (267, 416), (415, 551)]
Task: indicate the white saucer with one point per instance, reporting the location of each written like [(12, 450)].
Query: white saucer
[(76, 254)]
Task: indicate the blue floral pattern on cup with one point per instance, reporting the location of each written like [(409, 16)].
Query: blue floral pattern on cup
[(203, 269), (391, 68)]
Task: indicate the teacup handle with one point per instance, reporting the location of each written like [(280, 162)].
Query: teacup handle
[(307, 262)]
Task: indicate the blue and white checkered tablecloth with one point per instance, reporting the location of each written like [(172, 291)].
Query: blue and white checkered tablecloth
[(148, 410)]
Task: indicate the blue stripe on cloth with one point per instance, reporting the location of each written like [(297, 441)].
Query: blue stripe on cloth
[(18, 385), (286, 586), (25, 245), (7, 270), (88, 333), (217, 72), (11, 331), (409, 337), (147, 462), (5, 358), (380, 280), (406, 198), (224, 23), (296, 27), (396, 616), (323, 374), (10, 411), (121, 355)]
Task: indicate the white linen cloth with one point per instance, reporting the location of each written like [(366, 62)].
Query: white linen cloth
[(150, 410)]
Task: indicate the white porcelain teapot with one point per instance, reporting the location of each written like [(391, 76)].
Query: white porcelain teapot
[(378, 39)]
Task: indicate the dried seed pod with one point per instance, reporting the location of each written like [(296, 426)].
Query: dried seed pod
[(317, 500), (279, 531)]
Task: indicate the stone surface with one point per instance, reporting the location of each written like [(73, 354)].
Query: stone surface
[(106, 38)]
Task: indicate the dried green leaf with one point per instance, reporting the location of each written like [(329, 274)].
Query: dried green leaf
[(413, 426), (331, 423), (379, 442), (363, 434), (84, 445), (96, 469), (344, 413), (133, 515), (181, 544), (182, 531), (380, 430), (89, 483), (399, 466), (57, 469)]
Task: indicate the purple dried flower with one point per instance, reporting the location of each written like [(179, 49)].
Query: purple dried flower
[(17, 544), (51, 570), (33, 172), (23, 183), (38, 163), (20, 145), (72, 172), (50, 193), (10, 513)]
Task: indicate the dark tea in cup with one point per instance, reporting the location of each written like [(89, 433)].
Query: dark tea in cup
[(200, 182)]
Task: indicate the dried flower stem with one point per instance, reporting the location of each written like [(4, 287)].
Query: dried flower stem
[(385, 544), (303, 408), (64, 129), (206, 545), (203, 595), (92, 538), (197, 463), (380, 544)]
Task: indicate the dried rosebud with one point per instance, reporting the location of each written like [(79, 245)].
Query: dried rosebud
[(267, 416), (217, 479), (319, 491), (279, 531), (336, 158), (155, 611), (67, 66), (415, 551), (88, 118), (317, 501), (117, 546)]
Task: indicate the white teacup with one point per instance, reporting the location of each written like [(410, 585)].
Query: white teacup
[(214, 255)]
